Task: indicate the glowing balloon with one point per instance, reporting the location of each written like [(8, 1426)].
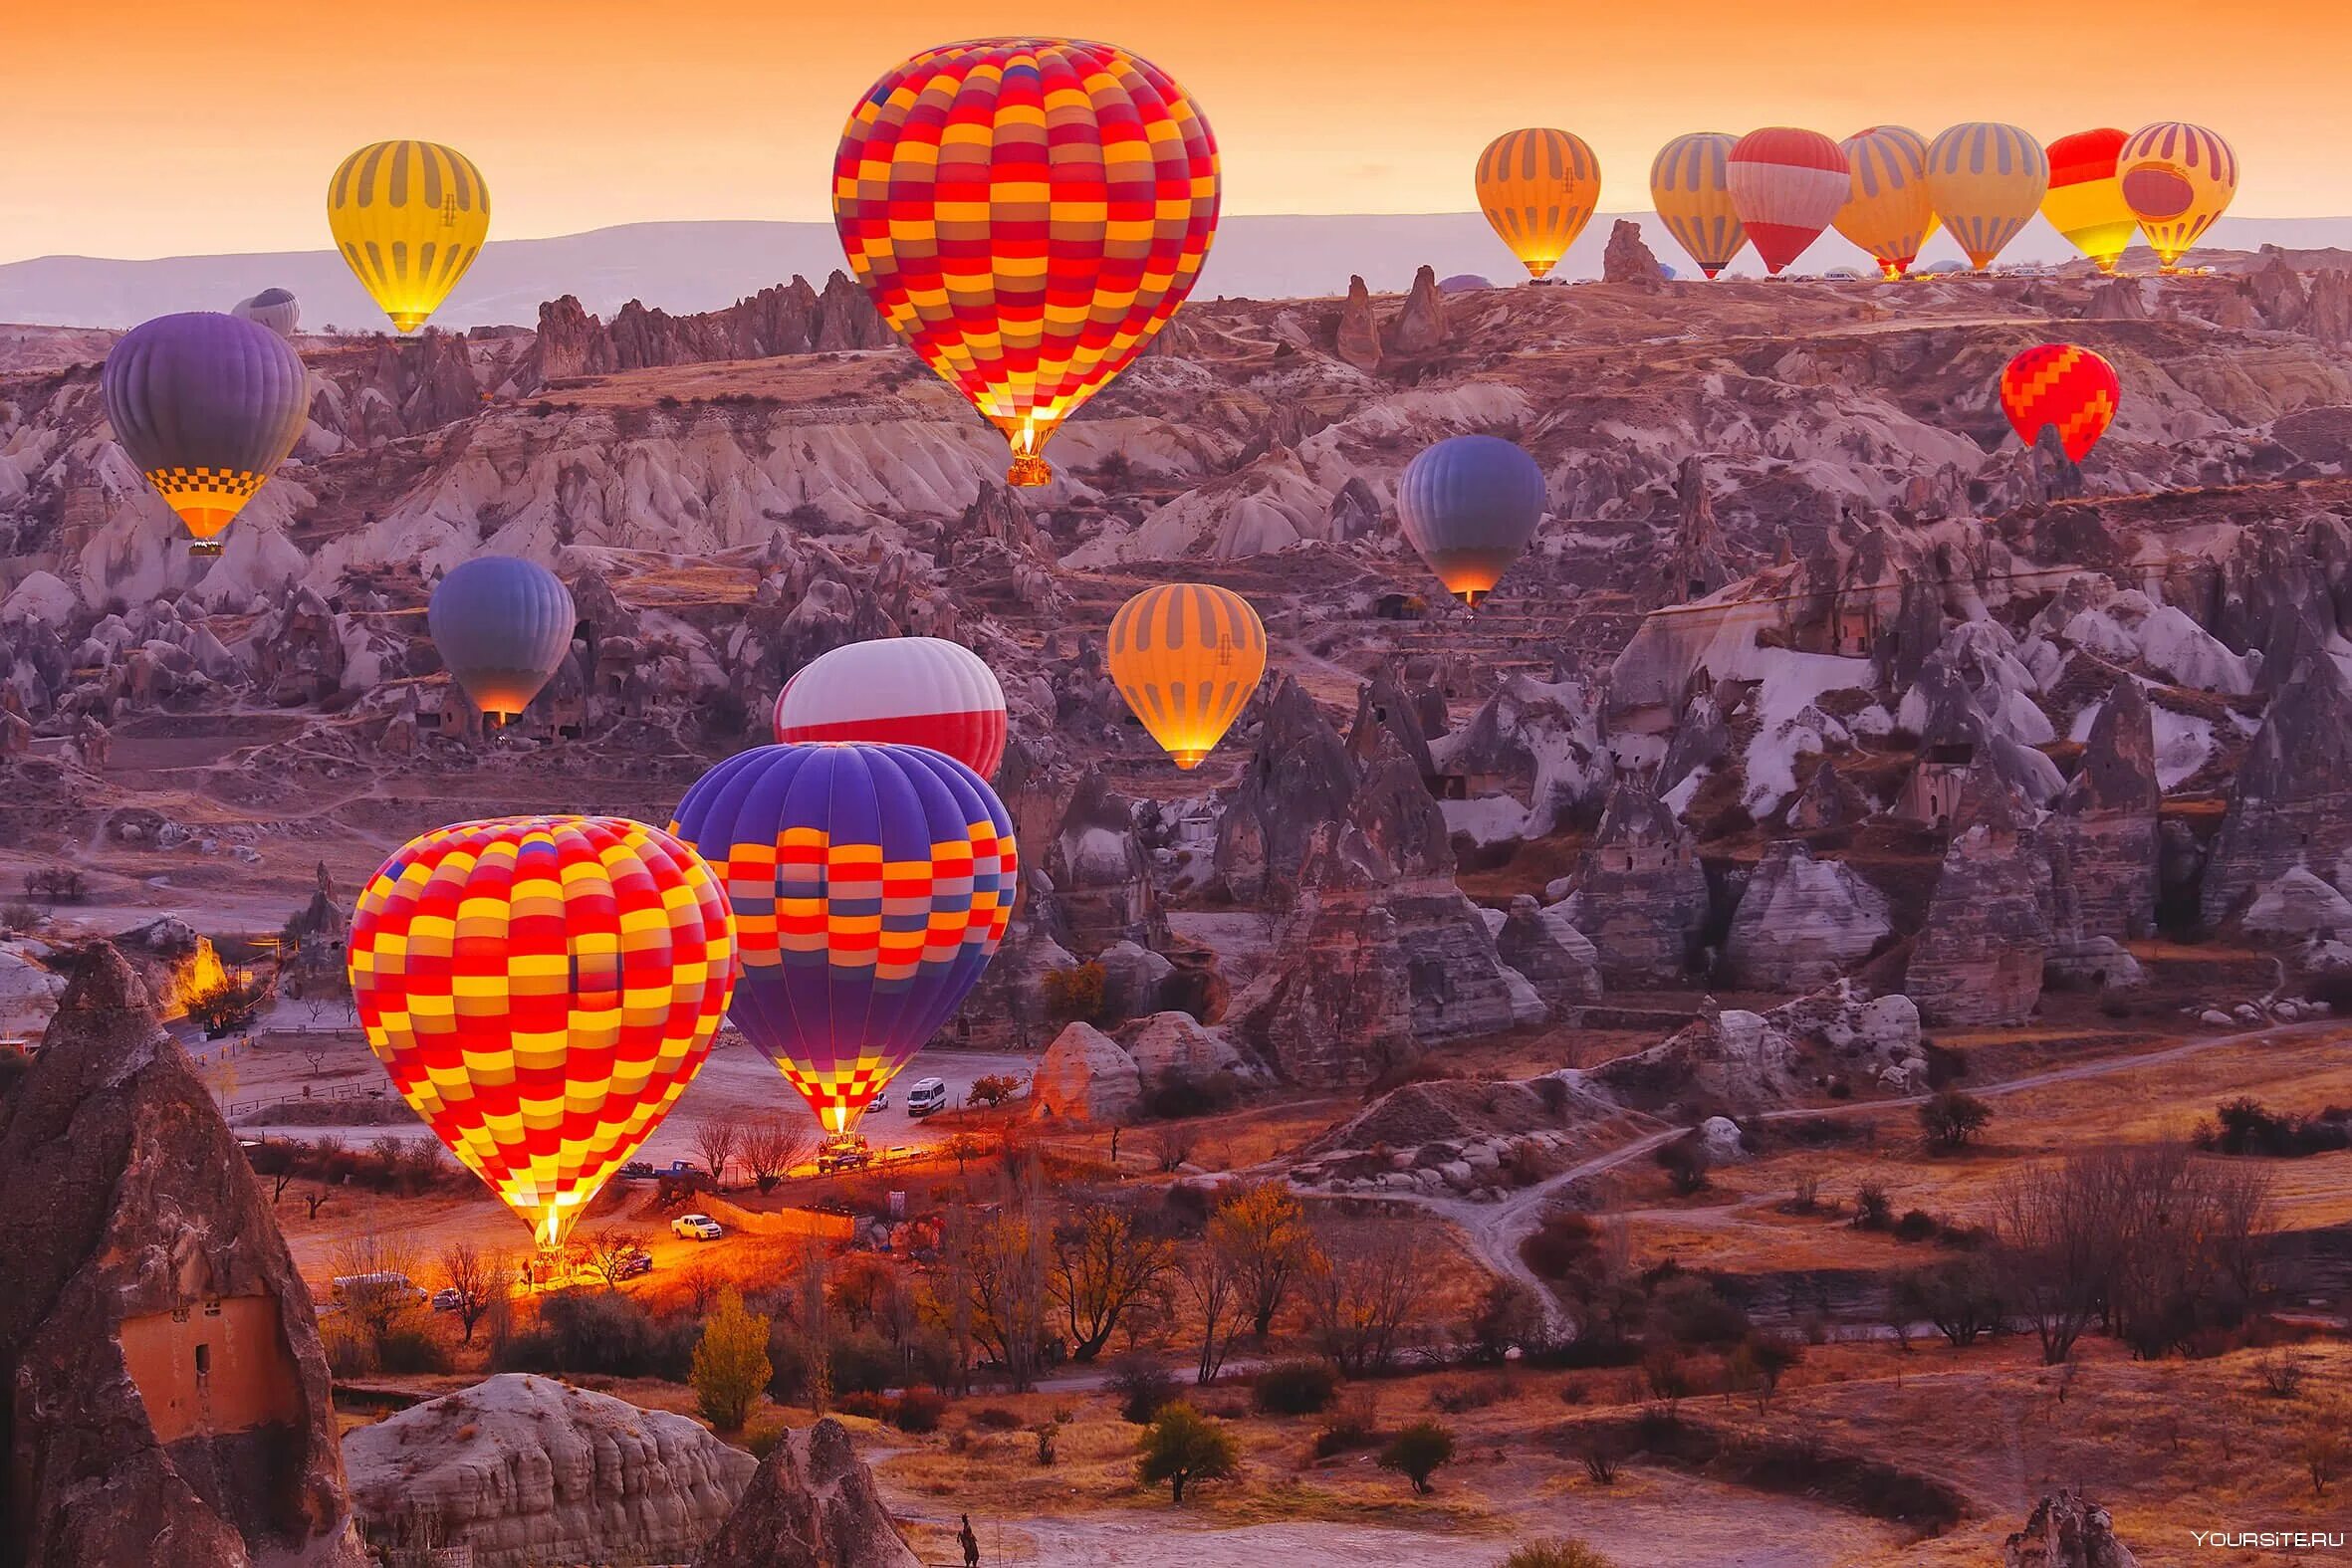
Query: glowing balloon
[(275, 309), (1539, 189), (1690, 186), (410, 217), (207, 406), (541, 989), (906, 691), (2085, 204), (1986, 182), (501, 626), (1887, 211), (1026, 214), (1186, 657), (1470, 505), (2064, 386), (870, 885), (1786, 185), (2178, 178)]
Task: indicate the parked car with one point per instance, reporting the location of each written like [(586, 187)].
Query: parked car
[(697, 1227), (630, 1264), (381, 1282), (681, 1168), (844, 1152), (637, 1171), (880, 1102), (446, 1299), (928, 1095)]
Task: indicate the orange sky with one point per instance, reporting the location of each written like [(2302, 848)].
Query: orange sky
[(150, 127)]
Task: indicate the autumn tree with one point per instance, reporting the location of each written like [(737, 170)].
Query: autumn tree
[(1182, 1446), (1366, 1295), (1104, 1266), (730, 1365), (1951, 1117), (1003, 1259), (771, 1146), (716, 1142), (474, 1278), (1261, 1229)]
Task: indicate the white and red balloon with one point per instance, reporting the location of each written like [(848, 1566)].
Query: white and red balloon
[(907, 691)]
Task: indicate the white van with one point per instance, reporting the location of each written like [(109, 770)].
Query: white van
[(925, 1097), (382, 1282)]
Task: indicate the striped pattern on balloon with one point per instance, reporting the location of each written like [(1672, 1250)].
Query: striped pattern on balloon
[(2086, 203), (907, 691), (1690, 186), (1539, 189), (1026, 213), (1786, 184), (2178, 178), (1887, 212), (409, 218), (1986, 182), (2064, 386), (1187, 656)]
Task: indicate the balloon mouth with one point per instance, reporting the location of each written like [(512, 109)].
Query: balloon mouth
[(1189, 757), (1471, 596), (407, 320)]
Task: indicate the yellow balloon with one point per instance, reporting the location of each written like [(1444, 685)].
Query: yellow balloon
[(1691, 192), (1986, 182), (1539, 189), (2178, 178), (1187, 656), (2085, 204), (409, 218), (1888, 214)]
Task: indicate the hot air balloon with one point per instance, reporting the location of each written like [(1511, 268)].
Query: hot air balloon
[(1986, 182), (1470, 505), (1539, 189), (410, 217), (2061, 384), (1027, 213), (207, 406), (1186, 657), (2178, 178), (906, 691), (1887, 212), (2086, 201), (1690, 185), (541, 988), (870, 885), (275, 309), (501, 626), (1786, 185)]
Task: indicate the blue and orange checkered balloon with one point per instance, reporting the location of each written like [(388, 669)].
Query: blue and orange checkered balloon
[(541, 989), (1027, 213), (870, 884), (2061, 384)]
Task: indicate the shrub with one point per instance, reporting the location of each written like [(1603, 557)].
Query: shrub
[(1917, 1225), (1693, 1312), (1685, 1163), (598, 1331), (1417, 1451), (1182, 1446), (730, 1366), (868, 1404), (1557, 1554), (993, 1088), (1508, 1317), (1601, 1457), (1951, 1117), (1874, 1206), (1294, 1388), (920, 1410), (1143, 1386), (408, 1352), (1454, 1398), (1357, 1426), (1559, 1244), (996, 1418)]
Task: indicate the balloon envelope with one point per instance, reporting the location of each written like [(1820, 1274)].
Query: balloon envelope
[(870, 884), (1026, 214), (1690, 186), (541, 989), (502, 625), (1986, 182), (275, 309), (2178, 178), (207, 406), (1470, 505), (1786, 185), (2085, 204), (908, 690), (409, 218), (1887, 211), (1186, 657), (2061, 384), (1539, 189)]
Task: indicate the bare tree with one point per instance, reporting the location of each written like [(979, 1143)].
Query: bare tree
[(716, 1140), (772, 1146), (703, 1282), (1004, 1261), (1172, 1144), (373, 1274), (1368, 1292), (1104, 1268), (607, 1253), (1213, 1284), (474, 1277), (2051, 1253)]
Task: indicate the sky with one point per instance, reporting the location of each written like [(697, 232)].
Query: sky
[(166, 127)]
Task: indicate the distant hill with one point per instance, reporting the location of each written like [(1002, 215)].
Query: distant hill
[(702, 265)]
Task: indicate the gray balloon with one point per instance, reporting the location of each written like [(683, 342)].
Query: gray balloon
[(276, 308), (502, 625)]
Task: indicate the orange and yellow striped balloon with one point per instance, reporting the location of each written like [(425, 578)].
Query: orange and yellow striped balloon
[(2085, 204), (1691, 189), (541, 989), (1187, 656), (1986, 182), (409, 218), (1539, 189), (2178, 178), (1888, 214)]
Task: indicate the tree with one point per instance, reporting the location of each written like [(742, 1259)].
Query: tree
[(1958, 1296), (1004, 1265), (772, 1146), (703, 1282), (1951, 1117), (1075, 994), (372, 1281), (2050, 1254), (1213, 1285), (1103, 1266), (1418, 1451), (716, 1141), (1261, 1229), (2325, 1451), (607, 1253), (1508, 1317), (730, 1365), (964, 1148), (1172, 1145), (993, 1088), (1368, 1291), (1182, 1446), (475, 1278)]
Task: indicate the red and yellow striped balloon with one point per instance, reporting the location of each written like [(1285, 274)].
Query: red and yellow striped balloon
[(2177, 179), (2085, 200), (2061, 384), (1027, 213), (541, 989)]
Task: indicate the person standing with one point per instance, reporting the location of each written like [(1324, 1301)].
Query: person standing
[(971, 1543)]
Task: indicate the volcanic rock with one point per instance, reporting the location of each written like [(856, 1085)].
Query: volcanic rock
[(2067, 1530), (1556, 959), (1730, 1058), (1978, 956), (2299, 904), (526, 1469), (1180, 1043), (811, 1503), (1101, 874), (2289, 805), (1640, 894), (1538, 742), (1338, 1005), (1301, 776), (2102, 829), (1358, 338), (1086, 1077), (1802, 922), (1419, 328), (1132, 980), (167, 1401), (1827, 800), (1628, 260)]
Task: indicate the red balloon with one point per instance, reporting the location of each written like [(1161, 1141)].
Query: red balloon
[(2061, 384), (1787, 185)]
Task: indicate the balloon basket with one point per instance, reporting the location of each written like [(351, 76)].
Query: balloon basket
[(204, 546), (1029, 471)]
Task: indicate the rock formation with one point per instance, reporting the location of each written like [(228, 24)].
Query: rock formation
[(1420, 327), (2289, 805), (167, 1400), (1639, 892), (1085, 1076), (1555, 958), (811, 1503), (2103, 825), (790, 318), (1102, 876), (1731, 1058), (1358, 336), (2067, 1530), (1979, 956), (1628, 260), (526, 1469), (1802, 922)]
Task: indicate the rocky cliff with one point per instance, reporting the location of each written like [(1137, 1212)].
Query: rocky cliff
[(2289, 805), (810, 1504), (1802, 922)]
